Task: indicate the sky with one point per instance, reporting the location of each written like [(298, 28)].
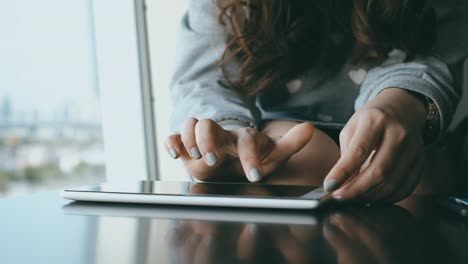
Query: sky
[(45, 53)]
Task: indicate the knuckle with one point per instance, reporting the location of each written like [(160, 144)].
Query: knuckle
[(247, 136), (378, 173), (344, 137), (309, 125), (187, 137), (172, 139), (378, 116), (246, 141), (189, 125), (205, 130), (343, 171), (401, 133), (250, 160), (359, 152), (250, 131), (206, 124), (247, 132), (190, 121)]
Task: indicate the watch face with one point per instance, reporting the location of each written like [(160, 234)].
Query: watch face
[(431, 131)]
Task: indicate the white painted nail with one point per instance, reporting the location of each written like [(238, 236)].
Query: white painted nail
[(337, 197), (211, 159), (195, 153), (173, 153), (254, 175), (330, 185), (252, 228)]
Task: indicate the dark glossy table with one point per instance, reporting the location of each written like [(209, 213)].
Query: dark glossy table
[(43, 228)]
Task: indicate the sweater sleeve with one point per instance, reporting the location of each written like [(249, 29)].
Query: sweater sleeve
[(198, 88), (437, 75)]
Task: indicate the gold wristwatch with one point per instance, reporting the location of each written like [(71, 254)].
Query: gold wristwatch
[(432, 126)]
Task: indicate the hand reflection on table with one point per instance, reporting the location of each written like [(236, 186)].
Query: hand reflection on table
[(210, 242), (366, 234), (201, 241), (388, 234)]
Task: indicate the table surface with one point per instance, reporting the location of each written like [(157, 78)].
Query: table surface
[(44, 228)]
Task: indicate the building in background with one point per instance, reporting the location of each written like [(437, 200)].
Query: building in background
[(50, 114)]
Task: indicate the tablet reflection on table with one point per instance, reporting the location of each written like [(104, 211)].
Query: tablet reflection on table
[(175, 234), (178, 234)]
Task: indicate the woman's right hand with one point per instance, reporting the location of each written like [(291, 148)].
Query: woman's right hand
[(211, 153)]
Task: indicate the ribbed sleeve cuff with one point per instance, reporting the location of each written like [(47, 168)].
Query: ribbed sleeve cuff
[(231, 123)]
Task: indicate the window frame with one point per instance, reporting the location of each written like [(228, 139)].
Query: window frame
[(125, 85)]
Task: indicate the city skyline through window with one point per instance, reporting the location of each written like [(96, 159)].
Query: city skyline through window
[(50, 114)]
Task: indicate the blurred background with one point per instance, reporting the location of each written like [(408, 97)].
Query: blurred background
[(50, 111), (50, 122)]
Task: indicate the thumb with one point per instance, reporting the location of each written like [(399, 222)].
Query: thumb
[(293, 141)]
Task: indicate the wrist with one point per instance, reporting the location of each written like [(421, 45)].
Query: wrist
[(418, 110), (407, 106), (419, 103)]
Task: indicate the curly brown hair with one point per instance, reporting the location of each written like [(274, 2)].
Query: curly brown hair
[(277, 40)]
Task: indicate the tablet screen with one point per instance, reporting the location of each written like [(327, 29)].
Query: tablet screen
[(237, 190)]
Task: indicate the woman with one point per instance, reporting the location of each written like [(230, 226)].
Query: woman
[(251, 75)]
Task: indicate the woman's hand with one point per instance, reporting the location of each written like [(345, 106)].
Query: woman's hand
[(382, 150), (211, 153)]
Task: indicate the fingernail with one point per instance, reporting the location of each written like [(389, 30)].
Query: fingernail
[(211, 159), (173, 153), (195, 153), (337, 197), (254, 175), (330, 185), (252, 229)]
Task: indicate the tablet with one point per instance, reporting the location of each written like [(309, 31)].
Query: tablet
[(202, 194), (212, 214)]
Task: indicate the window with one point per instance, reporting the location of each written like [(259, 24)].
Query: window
[(164, 19), (50, 113), (75, 78)]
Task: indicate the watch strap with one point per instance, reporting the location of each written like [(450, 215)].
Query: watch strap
[(432, 125)]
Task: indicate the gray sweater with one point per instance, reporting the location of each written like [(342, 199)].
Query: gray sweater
[(328, 99)]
